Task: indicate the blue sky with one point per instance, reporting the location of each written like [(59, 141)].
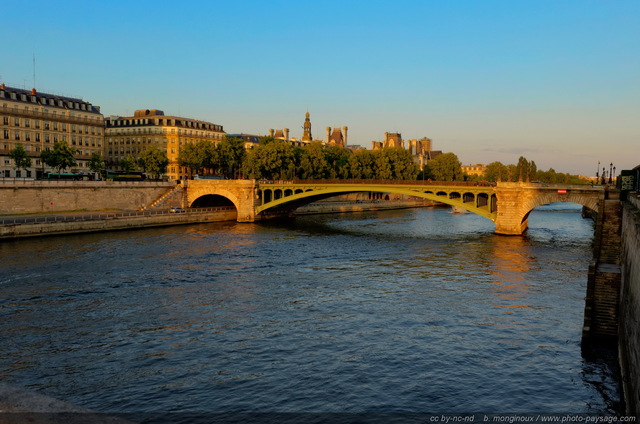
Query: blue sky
[(555, 81)]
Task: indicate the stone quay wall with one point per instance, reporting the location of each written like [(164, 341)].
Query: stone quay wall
[(132, 222), (629, 329), (27, 197)]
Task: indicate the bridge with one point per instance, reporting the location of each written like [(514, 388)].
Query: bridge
[(508, 205)]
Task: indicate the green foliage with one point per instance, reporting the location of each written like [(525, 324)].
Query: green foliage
[(230, 155), (21, 159), (362, 164), (527, 171), (496, 171), (396, 163), (153, 161), (61, 157), (97, 163), (198, 156), (313, 162), (446, 167), (129, 163), (272, 160)]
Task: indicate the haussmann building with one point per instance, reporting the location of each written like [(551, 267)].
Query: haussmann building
[(132, 135), (38, 120)]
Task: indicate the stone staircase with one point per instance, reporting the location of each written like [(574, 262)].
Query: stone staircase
[(171, 198)]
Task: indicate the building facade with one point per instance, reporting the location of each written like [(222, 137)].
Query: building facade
[(38, 120), (335, 137), (129, 136), (477, 169)]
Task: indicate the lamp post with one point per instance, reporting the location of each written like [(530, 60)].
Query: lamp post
[(598, 173), (610, 172)]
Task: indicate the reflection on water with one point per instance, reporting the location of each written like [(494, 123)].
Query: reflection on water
[(414, 310)]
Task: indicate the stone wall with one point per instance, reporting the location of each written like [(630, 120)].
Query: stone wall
[(629, 329), (63, 196), (115, 223)]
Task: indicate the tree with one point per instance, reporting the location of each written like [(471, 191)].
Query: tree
[(446, 167), (272, 160), (230, 155), (97, 163), (496, 171), (61, 157), (199, 156), (401, 165), (362, 164), (313, 162), (21, 159), (338, 160), (153, 161), (526, 169), (128, 164)]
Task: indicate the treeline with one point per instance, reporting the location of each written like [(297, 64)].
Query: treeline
[(527, 171), (278, 159)]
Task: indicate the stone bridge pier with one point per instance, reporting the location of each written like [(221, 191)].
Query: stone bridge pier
[(517, 200), (242, 193)]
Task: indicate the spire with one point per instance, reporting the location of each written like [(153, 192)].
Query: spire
[(306, 135)]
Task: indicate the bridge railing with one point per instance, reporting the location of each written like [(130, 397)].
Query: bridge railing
[(381, 182)]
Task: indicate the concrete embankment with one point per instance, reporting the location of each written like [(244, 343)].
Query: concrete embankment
[(629, 328), (21, 197), (111, 222), (125, 221), (363, 206)]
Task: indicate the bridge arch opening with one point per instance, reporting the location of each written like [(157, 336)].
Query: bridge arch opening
[(562, 207), (211, 201)]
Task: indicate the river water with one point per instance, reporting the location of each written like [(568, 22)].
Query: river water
[(413, 310)]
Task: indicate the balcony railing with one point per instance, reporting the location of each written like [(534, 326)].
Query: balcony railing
[(5, 110)]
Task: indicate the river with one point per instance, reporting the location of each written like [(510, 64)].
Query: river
[(415, 310)]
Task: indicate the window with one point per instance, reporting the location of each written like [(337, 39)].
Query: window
[(37, 137), (17, 135), (6, 120), (18, 173), (27, 123), (16, 122), (37, 123), (6, 134), (27, 136), (7, 173)]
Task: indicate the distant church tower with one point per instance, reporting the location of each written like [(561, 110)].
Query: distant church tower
[(306, 135)]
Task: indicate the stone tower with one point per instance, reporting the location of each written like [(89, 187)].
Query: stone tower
[(306, 135)]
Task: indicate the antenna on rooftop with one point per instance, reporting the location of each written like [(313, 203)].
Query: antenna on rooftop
[(34, 69)]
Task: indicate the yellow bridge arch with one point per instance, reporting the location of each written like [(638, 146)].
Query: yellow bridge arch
[(478, 198)]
